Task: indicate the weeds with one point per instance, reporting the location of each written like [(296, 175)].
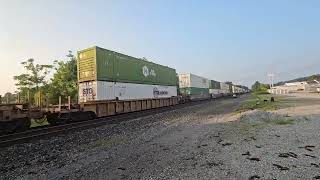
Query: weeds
[(43, 122), (283, 121), (260, 102)]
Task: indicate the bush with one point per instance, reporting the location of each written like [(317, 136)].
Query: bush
[(261, 92)]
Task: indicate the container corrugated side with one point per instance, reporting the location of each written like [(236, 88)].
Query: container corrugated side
[(104, 65), (191, 80), (103, 90), (214, 84), (113, 66), (225, 88), (193, 91)]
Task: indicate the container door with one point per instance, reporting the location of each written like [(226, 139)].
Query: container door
[(87, 91), (87, 65)]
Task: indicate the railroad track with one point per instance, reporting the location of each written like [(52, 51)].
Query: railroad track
[(48, 131)]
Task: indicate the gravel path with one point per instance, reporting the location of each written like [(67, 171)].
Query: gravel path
[(196, 142)]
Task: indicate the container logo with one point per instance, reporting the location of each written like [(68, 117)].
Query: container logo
[(87, 91), (146, 72), (157, 93)]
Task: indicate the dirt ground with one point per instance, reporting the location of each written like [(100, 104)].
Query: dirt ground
[(207, 141)]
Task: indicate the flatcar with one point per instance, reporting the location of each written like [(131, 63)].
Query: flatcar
[(17, 117)]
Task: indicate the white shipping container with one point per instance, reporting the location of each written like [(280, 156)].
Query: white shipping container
[(215, 91), (191, 80), (224, 91), (103, 90), (236, 89), (224, 86)]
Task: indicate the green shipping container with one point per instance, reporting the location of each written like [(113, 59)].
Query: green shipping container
[(214, 84), (194, 91), (98, 64)]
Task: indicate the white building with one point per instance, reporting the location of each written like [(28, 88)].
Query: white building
[(290, 87)]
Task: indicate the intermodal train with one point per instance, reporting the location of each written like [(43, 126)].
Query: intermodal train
[(112, 83)]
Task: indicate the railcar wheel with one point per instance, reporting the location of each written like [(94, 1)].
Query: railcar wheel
[(52, 118), (22, 124)]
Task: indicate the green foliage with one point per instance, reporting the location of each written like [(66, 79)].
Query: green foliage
[(35, 75), (24, 91), (283, 121), (255, 86), (260, 92), (256, 101), (42, 122), (259, 87), (28, 83), (9, 98), (313, 77), (33, 86), (64, 81)]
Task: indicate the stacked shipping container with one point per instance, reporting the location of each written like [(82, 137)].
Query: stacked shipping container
[(112, 83), (215, 89), (225, 88), (196, 87), (238, 89), (108, 75)]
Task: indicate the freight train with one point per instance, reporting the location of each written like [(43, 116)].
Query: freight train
[(112, 83)]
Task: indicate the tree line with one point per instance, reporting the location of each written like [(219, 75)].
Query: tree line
[(35, 87)]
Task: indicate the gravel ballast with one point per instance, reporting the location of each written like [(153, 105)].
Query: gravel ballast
[(196, 142)]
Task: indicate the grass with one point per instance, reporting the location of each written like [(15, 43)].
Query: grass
[(39, 123), (260, 92), (256, 101), (283, 121), (251, 104)]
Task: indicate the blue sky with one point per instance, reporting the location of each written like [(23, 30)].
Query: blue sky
[(236, 40)]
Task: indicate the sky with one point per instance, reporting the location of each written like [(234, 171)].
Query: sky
[(235, 40)]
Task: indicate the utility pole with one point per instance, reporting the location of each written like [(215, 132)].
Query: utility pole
[(271, 79)]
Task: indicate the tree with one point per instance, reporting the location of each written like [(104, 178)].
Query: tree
[(313, 77), (34, 77), (257, 86), (9, 98), (264, 87), (64, 81)]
